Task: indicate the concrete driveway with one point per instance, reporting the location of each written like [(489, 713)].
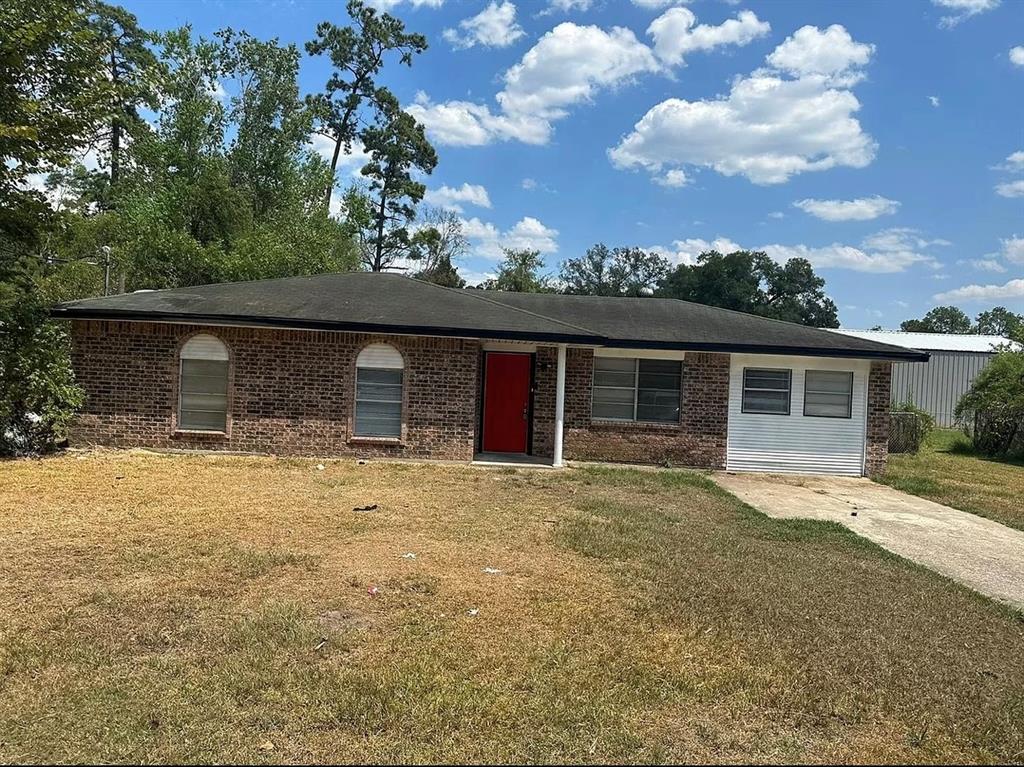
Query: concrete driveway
[(984, 555)]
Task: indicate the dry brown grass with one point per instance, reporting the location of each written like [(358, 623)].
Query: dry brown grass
[(162, 609)]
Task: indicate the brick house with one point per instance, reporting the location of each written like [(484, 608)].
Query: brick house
[(383, 365)]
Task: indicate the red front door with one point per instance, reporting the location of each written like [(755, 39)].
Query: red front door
[(506, 402)]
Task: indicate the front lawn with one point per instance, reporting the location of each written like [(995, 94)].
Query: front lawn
[(196, 608), (947, 471)]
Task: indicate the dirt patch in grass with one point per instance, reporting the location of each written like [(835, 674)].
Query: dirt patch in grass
[(236, 609), (948, 472)]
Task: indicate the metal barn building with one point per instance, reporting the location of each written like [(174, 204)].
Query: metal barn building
[(937, 385)]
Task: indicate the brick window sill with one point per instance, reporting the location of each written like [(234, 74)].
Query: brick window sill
[(600, 424), (375, 441), (202, 434)]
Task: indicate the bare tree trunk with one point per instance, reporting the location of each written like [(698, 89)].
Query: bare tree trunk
[(378, 258)]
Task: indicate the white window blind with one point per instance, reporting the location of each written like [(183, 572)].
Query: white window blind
[(629, 389), (379, 381), (203, 385)]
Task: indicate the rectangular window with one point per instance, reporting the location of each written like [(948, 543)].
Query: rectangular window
[(378, 402), (203, 402), (828, 394), (766, 391), (628, 389)]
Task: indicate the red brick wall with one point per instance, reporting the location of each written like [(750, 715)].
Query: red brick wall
[(698, 440), (879, 405), (291, 391)]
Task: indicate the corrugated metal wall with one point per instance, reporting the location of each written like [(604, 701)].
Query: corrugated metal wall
[(937, 385)]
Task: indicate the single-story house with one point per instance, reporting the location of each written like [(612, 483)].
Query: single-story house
[(937, 385), (384, 365)]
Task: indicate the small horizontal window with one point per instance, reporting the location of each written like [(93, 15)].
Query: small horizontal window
[(828, 394), (766, 391)]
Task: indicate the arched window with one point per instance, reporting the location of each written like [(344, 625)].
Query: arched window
[(203, 385), (379, 392)]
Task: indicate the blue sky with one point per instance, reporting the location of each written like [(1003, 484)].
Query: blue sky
[(876, 139)]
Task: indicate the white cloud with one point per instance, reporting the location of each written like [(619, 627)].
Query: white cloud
[(686, 251), (494, 27), (768, 127), (1011, 289), (528, 233), (529, 184), (1014, 163), (387, 5), (672, 178), (463, 123), (963, 9), (1013, 249), (861, 209), (565, 6), (1011, 189), (1017, 55), (675, 35), (568, 65), (656, 4), (830, 53), (934, 101), (886, 252), (985, 265), (453, 198), (839, 256), (901, 238)]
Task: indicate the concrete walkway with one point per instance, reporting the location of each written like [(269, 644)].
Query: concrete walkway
[(984, 555)]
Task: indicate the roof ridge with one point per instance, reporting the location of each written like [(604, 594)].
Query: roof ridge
[(475, 293)]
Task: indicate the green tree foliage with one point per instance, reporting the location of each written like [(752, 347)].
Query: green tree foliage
[(357, 54), (992, 411), (134, 75), (941, 319), (1000, 321), (752, 282), (398, 147), (602, 271), (437, 246), (38, 395), (52, 87), (519, 273)]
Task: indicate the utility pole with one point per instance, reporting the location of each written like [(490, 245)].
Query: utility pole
[(106, 269)]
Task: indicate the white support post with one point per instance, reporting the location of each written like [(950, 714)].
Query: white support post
[(559, 405)]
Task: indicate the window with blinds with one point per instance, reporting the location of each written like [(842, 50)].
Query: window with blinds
[(766, 391), (203, 385), (828, 393), (630, 389), (379, 381)]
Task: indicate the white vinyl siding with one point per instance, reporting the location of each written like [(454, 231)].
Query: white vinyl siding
[(630, 389), (798, 443), (379, 380), (203, 385)]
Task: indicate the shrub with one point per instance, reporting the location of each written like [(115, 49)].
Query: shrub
[(909, 427), (992, 412), (38, 396)]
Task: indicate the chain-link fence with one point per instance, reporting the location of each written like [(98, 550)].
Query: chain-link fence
[(907, 431)]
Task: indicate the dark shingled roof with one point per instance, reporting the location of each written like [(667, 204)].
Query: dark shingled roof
[(390, 303)]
